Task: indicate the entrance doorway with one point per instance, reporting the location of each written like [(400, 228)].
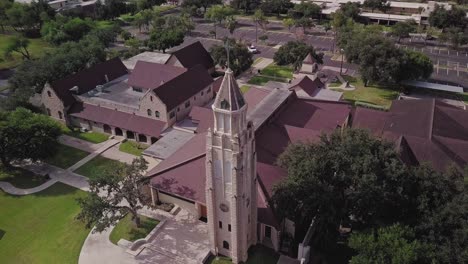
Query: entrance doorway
[(118, 132), (107, 129), (268, 231)]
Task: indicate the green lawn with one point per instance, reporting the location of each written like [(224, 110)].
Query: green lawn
[(372, 94), (244, 88), (262, 80), (127, 230), (132, 147), (93, 137), (41, 228), (278, 71), (66, 156), (21, 178), (96, 166), (163, 8), (37, 48), (258, 254)]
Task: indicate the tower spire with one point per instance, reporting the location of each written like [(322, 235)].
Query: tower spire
[(229, 96)]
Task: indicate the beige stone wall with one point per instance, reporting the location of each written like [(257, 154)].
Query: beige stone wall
[(200, 99), (189, 207), (152, 102), (53, 104)]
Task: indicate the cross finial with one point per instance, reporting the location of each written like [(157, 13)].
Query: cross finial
[(227, 51)]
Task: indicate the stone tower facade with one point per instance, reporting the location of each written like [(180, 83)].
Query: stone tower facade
[(231, 193)]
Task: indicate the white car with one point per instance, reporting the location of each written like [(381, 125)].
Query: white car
[(252, 49)]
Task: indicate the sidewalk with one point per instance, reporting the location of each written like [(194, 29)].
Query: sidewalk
[(108, 144), (80, 143)]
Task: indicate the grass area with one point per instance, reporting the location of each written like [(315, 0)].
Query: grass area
[(258, 254), (66, 156), (93, 137), (36, 48), (262, 80), (41, 228), (163, 8), (244, 88), (96, 166), (21, 178), (104, 23), (126, 229), (132, 147), (278, 71), (464, 97), (371, 95)]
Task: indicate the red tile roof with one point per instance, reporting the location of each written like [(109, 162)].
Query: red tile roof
[(148, 75), (193, 55), (431, 131), (188, 84), (88, 79), (119, 119)]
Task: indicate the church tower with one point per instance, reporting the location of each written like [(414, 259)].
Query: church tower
[(231, 193)]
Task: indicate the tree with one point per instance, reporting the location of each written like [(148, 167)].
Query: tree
[(288, 22), (455, 36), (304, 22), (240, 59), (382, 5), (276, 6), (346, 177), (19, 45), (28, 18), (246, 5), (64, 29), (26, 135), (165, 39), (122, 185), (350, 10), (294, 52), (392, 244), (4, 6), (403, 29), (231, 24), (306, 9), (201, 3), (217, 14), (415, 65), (442, 18), (261, 20)]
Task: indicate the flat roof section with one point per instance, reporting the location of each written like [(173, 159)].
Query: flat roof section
[(155, 57), (173, 140), (434, 86)]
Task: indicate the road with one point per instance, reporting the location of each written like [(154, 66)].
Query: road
[(450, 66)]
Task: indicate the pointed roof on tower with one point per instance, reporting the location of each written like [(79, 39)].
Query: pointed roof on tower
[(309, 59), (229, 96)]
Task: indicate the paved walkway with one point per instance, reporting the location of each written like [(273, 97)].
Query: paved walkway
[(108, 144), (80, 143), (115, 154), (182, 240), (10, 189)]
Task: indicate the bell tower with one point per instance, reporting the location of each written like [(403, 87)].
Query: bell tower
[(231, 193)]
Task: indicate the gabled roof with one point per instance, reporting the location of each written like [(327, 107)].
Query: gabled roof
[(177, 90), (88, 79), (309, 86), (148, 75), (430, 130), (127, 121), (309, 59), (229, 96), (194, 54)]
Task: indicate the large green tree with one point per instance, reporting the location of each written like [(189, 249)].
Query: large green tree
[(217, 14), (19, 45), (276, 6), (26, 135), (165, 39), (443, 18), (294, 52), (201, 3), (64, 29), (114, 194), (381, 5), (345, 177), (240, 59), (388, 245), (403, 29)]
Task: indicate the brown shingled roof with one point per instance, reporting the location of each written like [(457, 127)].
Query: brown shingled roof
[(127, 121), (307, 85), (430, 130), (194, 54), (148, 75), (186, 85), (88, 79)]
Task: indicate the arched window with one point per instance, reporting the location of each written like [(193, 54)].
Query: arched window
[(149, 112), (156, 113), (49, 94), (151, 98), (60, 115), (225, 244)]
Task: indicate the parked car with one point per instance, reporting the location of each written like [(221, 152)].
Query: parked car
[(252, 49)]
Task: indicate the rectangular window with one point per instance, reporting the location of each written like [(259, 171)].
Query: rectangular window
[(136, 89), (201, 93), (172, 114), (220, 224), (229, 227), (187, 104)]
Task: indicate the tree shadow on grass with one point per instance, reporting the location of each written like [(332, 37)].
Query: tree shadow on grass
[(2, 233)]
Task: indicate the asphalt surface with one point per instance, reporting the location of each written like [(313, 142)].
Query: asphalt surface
[(450, 66)]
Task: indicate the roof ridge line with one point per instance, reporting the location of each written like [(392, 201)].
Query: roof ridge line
[(178, 164)]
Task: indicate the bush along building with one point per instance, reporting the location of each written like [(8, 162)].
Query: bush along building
[(137, 104)]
